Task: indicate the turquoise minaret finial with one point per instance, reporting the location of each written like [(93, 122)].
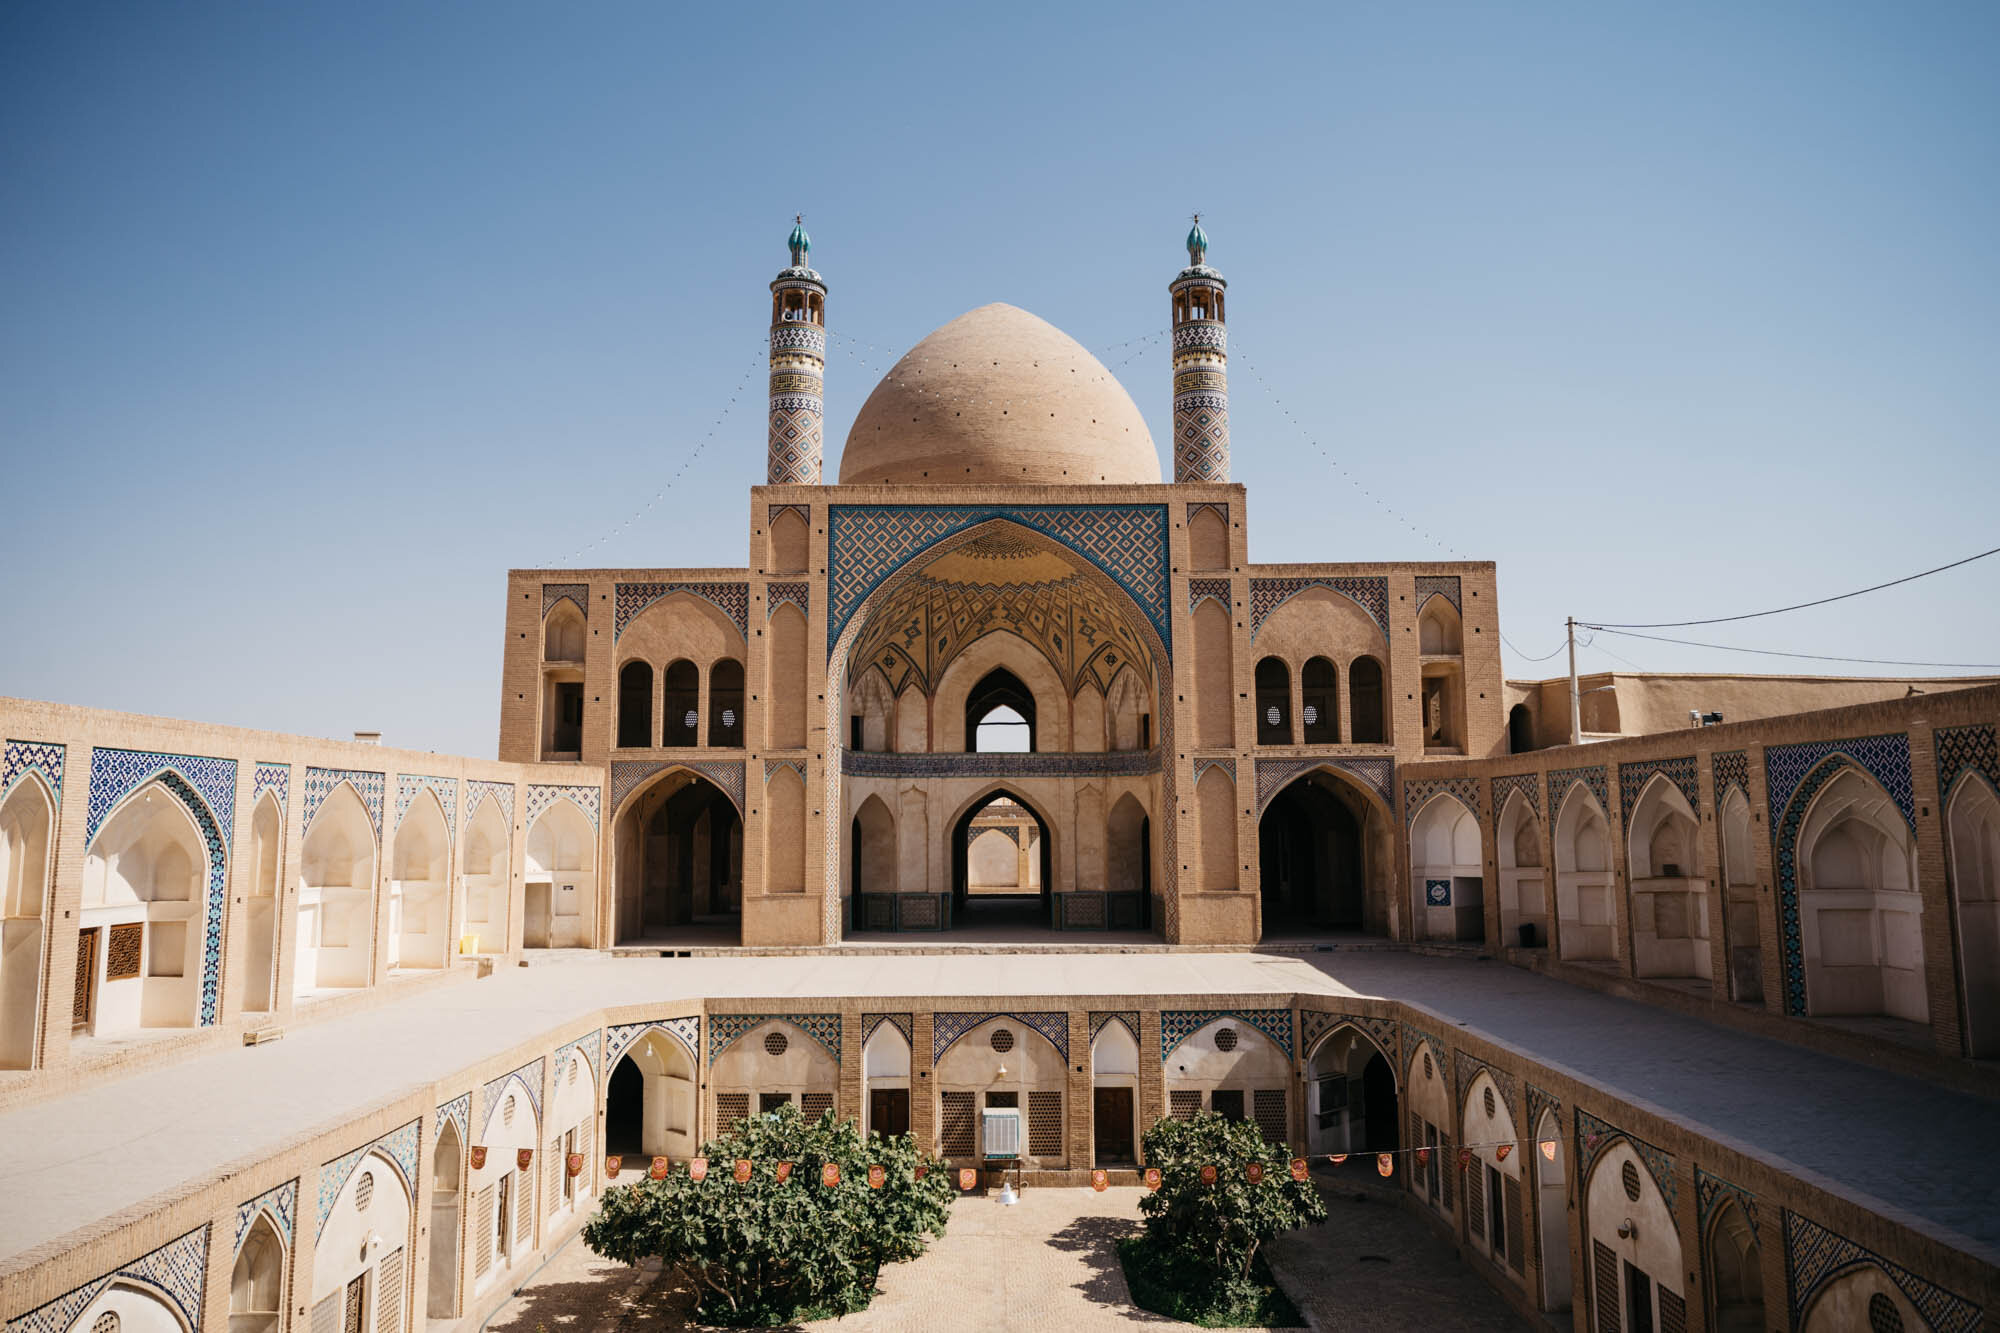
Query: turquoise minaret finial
[(1197, 244), (802, 244)]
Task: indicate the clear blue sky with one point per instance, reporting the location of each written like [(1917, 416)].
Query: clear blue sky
[(317, 319)]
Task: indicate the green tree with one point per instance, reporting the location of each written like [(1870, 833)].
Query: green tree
[(762, 1252), (1208, 1234)]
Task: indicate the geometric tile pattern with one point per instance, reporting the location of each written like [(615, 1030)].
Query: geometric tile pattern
[(1711, 1191), (627, 775), (1370, 594), (903, 1023), (1129, 1018), (530, 1075), (577, 594), (732, 599), (1274, 775), (1785, 834), (619, 1039), (1538, 1102), (177, 1270), (1958, 749), (868, 543), (1732, 769), (1885, 758), (1417, 794), (1002, 764), (1814, 1256), (1471, 1067), (280, 1203), (116, 774), (320, 783), (584, 1048), (778, 594), (399, 1146), (478, 789), (273, 778), (1228, 766), (457, 1111), (1437, 585), (1633, 777), (1315, 1024), (1200, 588), (32, 757), (1414, 1036), (725, 1030), (949, 1027), (1593, 1136), (541, 797), (1177, 1025), (445, 789), (1593, 780), (1221, 511), (771, 767), (1529, 785)]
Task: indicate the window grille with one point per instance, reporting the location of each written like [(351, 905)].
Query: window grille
[(776, 1043), (507, 1110), (106, 1323), (1674, 1312), (1883, 1316), (1475, 1197), (815, 1104), (1267, 1105), (1516, 1245), (364, 1191), (1183, 1104), (957, 1124), (389, 1294), (731, 1107), (326, 1315), (1628, 1176), (1045, 1124), (1489, 1103), (552, 1174), (482, 1246), (524, 1213), (1604, 1283), (1001, 1040), (1225, 1039), (121, 957)]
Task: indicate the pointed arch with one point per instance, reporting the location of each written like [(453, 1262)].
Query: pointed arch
[(873, 721), (1972, 824), (27, 855), (154, 878), (559, 879), (366, 1235), (1439, 630), (1586, 917), (1668, 884), (486, 871), (257, 1279), (1215, 806), (420, 885), (1524, 888), (1447, 898), (1552, 1211), (1734, 1264), (1848, 867), (563, 633), (1641, 1267), (1351, 1093), (447, 1219), (337, 876), (649, 1096), (885, 1075), (785, 708)]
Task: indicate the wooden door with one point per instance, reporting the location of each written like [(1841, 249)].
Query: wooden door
[(1111, 1114), (889, 1110), (357, 1291), (86, 977)]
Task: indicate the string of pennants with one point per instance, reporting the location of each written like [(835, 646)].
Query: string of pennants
[(743, 1168)]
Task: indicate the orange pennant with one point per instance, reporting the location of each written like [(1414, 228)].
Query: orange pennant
[(1336, 1157), (1423, 1157), (658, 1170), (1500, 1153), (1152, 1177), (1300, 1168), (829, 1175), (573, 1163), (1385, 1163), (742, 1172), (967, 1177), (1099, 1179), (784, 1172), (1254, 1173), (524, 1158), (876, 1175), (698, 1169), (478, 1156), (1208, 1175), (611, 1165), (1548, 1150)]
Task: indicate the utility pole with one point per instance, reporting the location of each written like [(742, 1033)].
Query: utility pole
[(1575, 700)]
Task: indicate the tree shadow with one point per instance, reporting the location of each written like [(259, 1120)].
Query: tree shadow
[(1096, 1239), (622, 1300)]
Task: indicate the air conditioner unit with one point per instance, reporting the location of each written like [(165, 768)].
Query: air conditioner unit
[(1001, 1132)]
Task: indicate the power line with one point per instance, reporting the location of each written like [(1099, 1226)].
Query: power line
[(1800, 606), (1524, 657), (1811, 657)]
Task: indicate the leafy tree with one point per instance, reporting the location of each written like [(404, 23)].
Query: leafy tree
[(1206, 1235), (765, 1252)]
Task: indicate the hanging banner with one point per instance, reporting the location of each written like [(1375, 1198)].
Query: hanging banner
[(1099, 1179), (1464, 1158), (478, 1156), (1423, 1157), (784, 1172), (698, 1169), (1500, 1153), (524, 1158), (742, 1171), (611, 1165), (1385, 1163), (1336, 1157), (573, 1164), (922, 1171), (1152, 1177), (658, 1169), (1254, 1173), (1300, 1168), (1548, 1150), (967, 1177), (1208, 1175), (829, 1175), (876, 1176)]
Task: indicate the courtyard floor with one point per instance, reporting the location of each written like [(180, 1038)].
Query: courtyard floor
[(1051, 1263)]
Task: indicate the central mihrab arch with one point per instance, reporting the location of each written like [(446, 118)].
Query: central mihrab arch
[(677, 859), (1078, 653)]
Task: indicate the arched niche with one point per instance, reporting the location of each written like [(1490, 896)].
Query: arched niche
[(725, 704), (257, 1280), (487, 871), (649, 1103), (1587, 919), (1214, 690), (563, 633), (1350, 1095), (680, 694), (997, 1064), (1735, 1271), (572, 1129), (257, 973), (1128, 847), (1231, 1068), (447, 1214), (1496, 1198), (1860, 915), (872, 855), (1367, 703), (362, 1259), (1428, 1111), (145, 894), (1114, 1096), (560, 883), (1524, 885), (1973, 825), (789, 550), (420, 887), (885, 1075), (1447, 886), (1208, 540), (27, 823), (1740, 910), (1669, 885), (1215, 802), (872, 719), (785, 706), (1640, 1269), (774, 1063), (1128, 712), (1439, 633), (336, 931), (1552, 1211), (784, 831), (1319, 701)]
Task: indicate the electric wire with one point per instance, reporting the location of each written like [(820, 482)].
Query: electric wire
[(1811, 657), (1800, 606), (1523, 656)]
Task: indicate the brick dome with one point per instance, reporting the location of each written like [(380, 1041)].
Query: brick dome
[(999, 396)]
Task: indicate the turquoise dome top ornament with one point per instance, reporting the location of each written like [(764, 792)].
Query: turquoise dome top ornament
[(800, 243), (1197, 243)]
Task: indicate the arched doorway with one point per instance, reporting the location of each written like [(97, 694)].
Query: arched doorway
[(1351, 1096), (257, 1281), (447, 1166), (679, 849), (1114, 1095), (649, 1100), (27, 822), (1000, 864), (1311, 858), (1447, 890), (1552, 1212)]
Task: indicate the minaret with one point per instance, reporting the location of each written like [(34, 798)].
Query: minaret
[(798, 368), (1201, 367)]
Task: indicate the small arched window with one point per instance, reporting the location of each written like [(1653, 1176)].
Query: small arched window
[(635, 705), (1364, 702), (725, 703), (1274, 702), (1319, 709), (1000, 714)]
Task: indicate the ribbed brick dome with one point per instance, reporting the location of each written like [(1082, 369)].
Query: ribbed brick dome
[(998, 396)]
